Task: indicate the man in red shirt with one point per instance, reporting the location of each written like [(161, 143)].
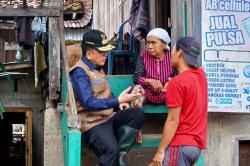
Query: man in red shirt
[(185, 130)]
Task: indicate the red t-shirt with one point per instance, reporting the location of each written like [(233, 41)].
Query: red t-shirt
[(188, 90)]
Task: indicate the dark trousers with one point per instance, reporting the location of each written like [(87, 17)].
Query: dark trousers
[(102, 138)]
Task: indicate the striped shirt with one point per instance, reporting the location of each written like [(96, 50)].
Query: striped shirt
[(150, 68)]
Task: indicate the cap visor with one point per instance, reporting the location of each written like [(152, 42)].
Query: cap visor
[(106, 48), (190, 59)]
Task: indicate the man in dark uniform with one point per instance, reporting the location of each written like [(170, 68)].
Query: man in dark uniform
[(108, 133)]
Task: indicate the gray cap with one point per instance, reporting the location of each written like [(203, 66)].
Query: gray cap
[(191, 50)]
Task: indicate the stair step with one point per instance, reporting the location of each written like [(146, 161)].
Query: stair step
[(149, 141), (151, 136)]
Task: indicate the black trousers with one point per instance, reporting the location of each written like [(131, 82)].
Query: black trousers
[(102, 138)]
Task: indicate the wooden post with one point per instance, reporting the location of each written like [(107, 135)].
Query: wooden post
[(190, 18), (28, 139), (24, 3), (54, 59), (72, 119), (72, 135), (18, 12), (177, 8), (151, 8)]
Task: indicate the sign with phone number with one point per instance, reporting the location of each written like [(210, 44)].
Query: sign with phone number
[(226, 54)]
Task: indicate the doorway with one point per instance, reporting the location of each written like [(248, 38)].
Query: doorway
[(244, 153), (16, 137), (160, 12)]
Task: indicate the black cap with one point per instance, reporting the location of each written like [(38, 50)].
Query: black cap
[(96, 39), (191, 50)]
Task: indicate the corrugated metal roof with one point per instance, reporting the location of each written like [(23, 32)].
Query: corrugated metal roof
[(78, 6), (75, 34), (19, 3)]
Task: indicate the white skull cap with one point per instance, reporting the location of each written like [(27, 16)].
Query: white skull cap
[(161, 34)]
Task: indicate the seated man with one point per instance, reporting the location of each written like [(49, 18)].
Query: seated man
[(109, 134)]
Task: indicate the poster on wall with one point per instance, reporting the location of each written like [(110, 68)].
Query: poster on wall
[(226, 54)]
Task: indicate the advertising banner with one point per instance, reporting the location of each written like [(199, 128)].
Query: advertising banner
[(226, 54)]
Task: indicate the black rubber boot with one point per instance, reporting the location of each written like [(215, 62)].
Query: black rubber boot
[(126, 137)]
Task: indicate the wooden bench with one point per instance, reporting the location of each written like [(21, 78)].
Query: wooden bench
[(117, 84)]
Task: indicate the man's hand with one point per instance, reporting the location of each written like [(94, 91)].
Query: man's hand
[(125, 97), (123, 106), (156, 84), (158, 158), (139, 137)]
